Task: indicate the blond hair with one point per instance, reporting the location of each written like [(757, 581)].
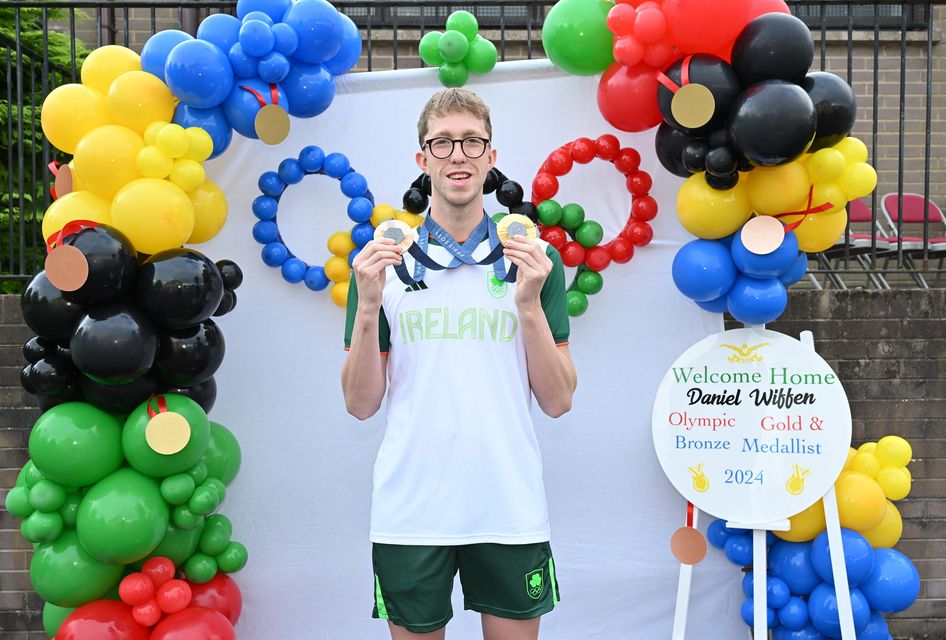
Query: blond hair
[(453, 101)]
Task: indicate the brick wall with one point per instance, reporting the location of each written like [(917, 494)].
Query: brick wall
[(888, 347)]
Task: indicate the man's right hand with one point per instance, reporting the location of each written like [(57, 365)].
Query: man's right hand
[(369, 267)]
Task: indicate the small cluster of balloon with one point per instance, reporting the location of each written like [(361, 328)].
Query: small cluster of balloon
[(158, 195), (246, 72), (458, 51), (800, 592)]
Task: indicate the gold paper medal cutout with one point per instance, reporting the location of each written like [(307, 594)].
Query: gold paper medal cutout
[(693, 105), (515, 224), (272, 124), (167, 433), (400, 232), (688, 545), (67, 268), (762, 235)]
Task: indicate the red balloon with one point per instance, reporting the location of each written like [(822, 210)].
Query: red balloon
[(555, 236), (159, 569), (622, 250), (135, 589), (597, 258), (628, 50), (621, 19), (705, 26), (660, 54), (644, 208), (761, 7), (627, 161), (102, 620), (584, 150), (544, 186), (147, 614), (607, 146), (638, 232), (573, 254), (650, 25), (639, 183), (194, 623), (627, 97), (559, 163), (222, 593), (173, 596)]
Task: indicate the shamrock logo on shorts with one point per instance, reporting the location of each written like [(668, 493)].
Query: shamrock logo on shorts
[(535, 583)]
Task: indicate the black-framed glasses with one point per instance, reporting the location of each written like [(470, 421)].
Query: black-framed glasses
[(442, 148)]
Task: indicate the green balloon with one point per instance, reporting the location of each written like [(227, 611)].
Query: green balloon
[(453, 46), (481, 57), (26, 471), (123, 517), (222, 456), (576, 36), (216, 536), (70, 509), (76, 444), (65, 574), (572, 216), (177, 489), (204, 500), (53, 617), (428, 48), (589, 233), (178, 544), (46, 495), (589, 282), (577, 303), (200, 568), (183, 518), (453, 74), (464, 22), (148, 461), (233, 559), (42, 527), (198, 472), (550, 212), (18, 502)]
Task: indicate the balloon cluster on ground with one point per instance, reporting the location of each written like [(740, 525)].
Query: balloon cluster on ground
[(800, 592), (458, 51)]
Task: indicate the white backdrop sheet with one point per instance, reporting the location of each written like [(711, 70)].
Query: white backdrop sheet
[(301, 500)]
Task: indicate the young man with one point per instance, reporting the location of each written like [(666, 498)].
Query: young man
[(458, 478)]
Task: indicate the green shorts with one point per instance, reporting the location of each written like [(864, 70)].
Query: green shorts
[(412, 584)]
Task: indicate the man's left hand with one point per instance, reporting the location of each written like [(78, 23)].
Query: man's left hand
[(533, 265)]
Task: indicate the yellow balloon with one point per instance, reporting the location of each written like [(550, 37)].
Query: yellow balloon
[(172, 140), (853, 149), (337, 269), (819, 231), (380, 213), (826, 165), (106, 158), (76, 205), (858, 180), (154, 214), (709, 213), (895, 482), (805, 525), (867, 447), (775, 190), (888, 532), (77, 184), (340, 293), (894, 451), (137, 98), (340, 243), (153, 163), (409, 218), (851, 452), (151, 131), (210, 212), (866, 463), (188, 174), (70, 112), (200, 144), (861, 501), (104, 64)]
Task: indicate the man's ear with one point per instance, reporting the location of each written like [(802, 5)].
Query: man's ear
[(492, 157), (421, 159)]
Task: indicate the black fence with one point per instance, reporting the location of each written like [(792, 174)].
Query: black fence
[(886, 50)]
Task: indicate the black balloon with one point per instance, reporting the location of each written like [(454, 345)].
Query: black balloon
[(835, 107), (509, 193), (120, 398), (774, 46), (526, 209), (772, 122), (47, 402), (231, 273), (114, 343), (713, 73), (187, 357), (415, 200), (694, 155), (113, 264), (25, 379), (227, 303), (719, 138), (721, 161), (722, 183), (36, 348), (492, 182), (52, 376), (204, 394), (669, 143), (179, 288), (46, 311)]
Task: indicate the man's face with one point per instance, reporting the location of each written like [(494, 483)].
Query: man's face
[(456, 179)]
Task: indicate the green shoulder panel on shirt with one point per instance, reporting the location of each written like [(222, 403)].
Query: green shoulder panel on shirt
[(384, 331), (553, 298)]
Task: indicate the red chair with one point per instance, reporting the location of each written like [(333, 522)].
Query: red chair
[(859, 245), (917, 211)]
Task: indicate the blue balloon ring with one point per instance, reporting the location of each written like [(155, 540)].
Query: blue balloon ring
[(311, 161)]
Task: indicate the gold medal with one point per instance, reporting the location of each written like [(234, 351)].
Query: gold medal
[(515, 224), (167, 433), (272, 124)]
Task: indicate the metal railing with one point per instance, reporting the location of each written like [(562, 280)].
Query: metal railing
[(886, 50)]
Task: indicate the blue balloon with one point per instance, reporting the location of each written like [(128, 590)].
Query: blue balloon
[(271, 184), (155, 53), (354, 184), (352, 255), (717, 533), (243, 65), (362, 233), (319, 27), (290, 171), (808, 633), (274, 254), (858, 557), (876, 628), (336, 165), (311, 158), (349, 51), (770, 265), (199, 74), (259, 16), (316, 279), (703, 270), (797, 271), (791, 561), (293, 270), (213, 121), (777, 592), (264, 207), (794, 615), (747, 613), (287, 40), (265, 231), (738, 549), (273, 67), (719, 305), (727, 240), (360, 209), (894, 584), (220, 29), (242, 105), (747, 584), (823, 610), (256, 38), (753, 301), (310, 88), (275, 9)]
